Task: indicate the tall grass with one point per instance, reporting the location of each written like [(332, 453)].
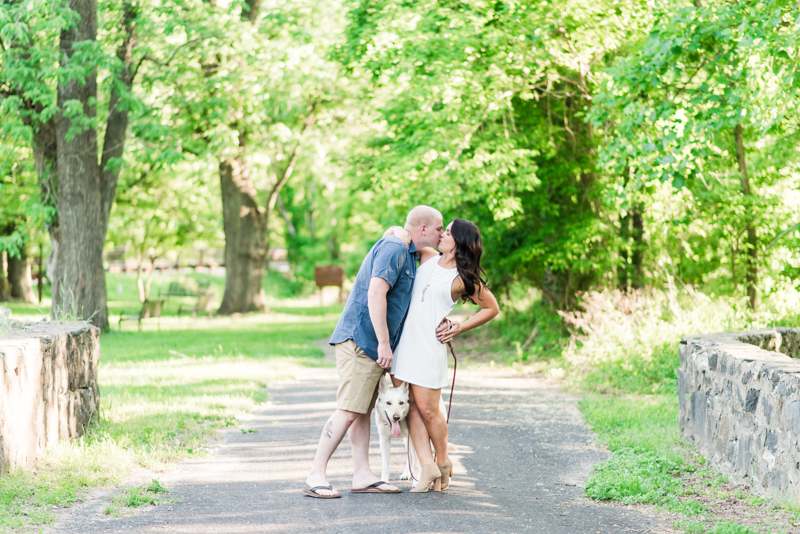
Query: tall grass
[(629, 343)]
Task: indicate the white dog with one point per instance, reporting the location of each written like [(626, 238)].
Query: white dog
[(391, 409)]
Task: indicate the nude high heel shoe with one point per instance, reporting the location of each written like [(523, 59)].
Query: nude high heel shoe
[(447, 472), (430, 475)]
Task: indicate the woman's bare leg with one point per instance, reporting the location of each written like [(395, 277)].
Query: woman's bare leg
[(427, 404), (419, 436), (416, 428)]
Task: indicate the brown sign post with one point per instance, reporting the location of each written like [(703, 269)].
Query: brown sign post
[(329, 275)]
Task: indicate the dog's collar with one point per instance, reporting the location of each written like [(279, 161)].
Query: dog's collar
[(388, 420)]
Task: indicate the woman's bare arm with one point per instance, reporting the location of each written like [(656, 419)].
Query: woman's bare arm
[(426, 253), (489, 310), (399, 232)]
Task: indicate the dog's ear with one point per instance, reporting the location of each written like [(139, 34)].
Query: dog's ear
[(382, 386), (405, 387)]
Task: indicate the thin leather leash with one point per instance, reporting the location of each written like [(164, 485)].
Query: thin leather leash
[(449, 406), (453, 386)]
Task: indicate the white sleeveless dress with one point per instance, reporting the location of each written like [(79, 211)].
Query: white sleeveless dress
[(419, 358)]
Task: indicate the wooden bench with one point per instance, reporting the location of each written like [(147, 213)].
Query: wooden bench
[(329, 275), (151, 309), (175, 289), (204, 304)]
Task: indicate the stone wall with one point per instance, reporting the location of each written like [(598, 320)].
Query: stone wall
[(739, 398), (48, 387)]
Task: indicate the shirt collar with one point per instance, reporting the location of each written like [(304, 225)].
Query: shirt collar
[(412, 249)]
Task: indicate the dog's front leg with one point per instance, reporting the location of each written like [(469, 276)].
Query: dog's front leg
[(386, 447)]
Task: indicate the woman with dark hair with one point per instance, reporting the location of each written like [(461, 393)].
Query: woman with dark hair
[(443, 277)]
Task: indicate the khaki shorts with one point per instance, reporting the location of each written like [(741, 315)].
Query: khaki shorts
[(358, 378)]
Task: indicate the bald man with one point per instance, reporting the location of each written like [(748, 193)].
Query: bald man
[(364, 339)]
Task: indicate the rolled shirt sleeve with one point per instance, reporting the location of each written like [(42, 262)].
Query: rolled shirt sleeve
[(389, 262)]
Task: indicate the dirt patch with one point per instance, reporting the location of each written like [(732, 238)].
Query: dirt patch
[(735, 503)]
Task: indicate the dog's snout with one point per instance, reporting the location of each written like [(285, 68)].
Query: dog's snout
[(396, 417)]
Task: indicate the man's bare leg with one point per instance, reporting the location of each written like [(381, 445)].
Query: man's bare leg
[(332, 434), (359, 441)]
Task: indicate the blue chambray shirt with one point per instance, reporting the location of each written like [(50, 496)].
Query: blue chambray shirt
[(391, 260)]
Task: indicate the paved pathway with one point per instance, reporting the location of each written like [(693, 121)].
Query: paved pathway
[(522, 454)]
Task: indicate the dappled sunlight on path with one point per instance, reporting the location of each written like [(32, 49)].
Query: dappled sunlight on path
[(519, 447)]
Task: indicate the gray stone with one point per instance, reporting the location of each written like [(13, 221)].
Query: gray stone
[(698, 403), (728, 388), (751, 402), (767, 410), (792, 413), (738, 403), (771, 440), (745, 457), (48, 388), (778, 480)]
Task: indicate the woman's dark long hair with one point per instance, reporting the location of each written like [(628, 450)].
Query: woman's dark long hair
[(468, 258)]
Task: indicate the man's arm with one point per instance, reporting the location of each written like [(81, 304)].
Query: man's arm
[(376, 301)]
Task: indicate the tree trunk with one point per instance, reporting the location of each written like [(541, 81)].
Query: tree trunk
[(247, 227), (40, 283), (333, 247), (311, 191), (4, 289), (117, 122), (79, 287), (45, 157), (556, 286), (250, 13), (19, 277), (244, 222), (287, 218), (637, 247), (623, 271), (149, 278), (734, 252), (751, 239), (139, 284)]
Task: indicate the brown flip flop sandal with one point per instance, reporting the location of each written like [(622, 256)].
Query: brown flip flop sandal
[(373, 488), (313, 492)]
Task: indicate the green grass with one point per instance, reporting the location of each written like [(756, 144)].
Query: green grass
[(650, 464), (695, 526), (123, 294), (146, 495), (164, 395), (623, 356), (648, 457)]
